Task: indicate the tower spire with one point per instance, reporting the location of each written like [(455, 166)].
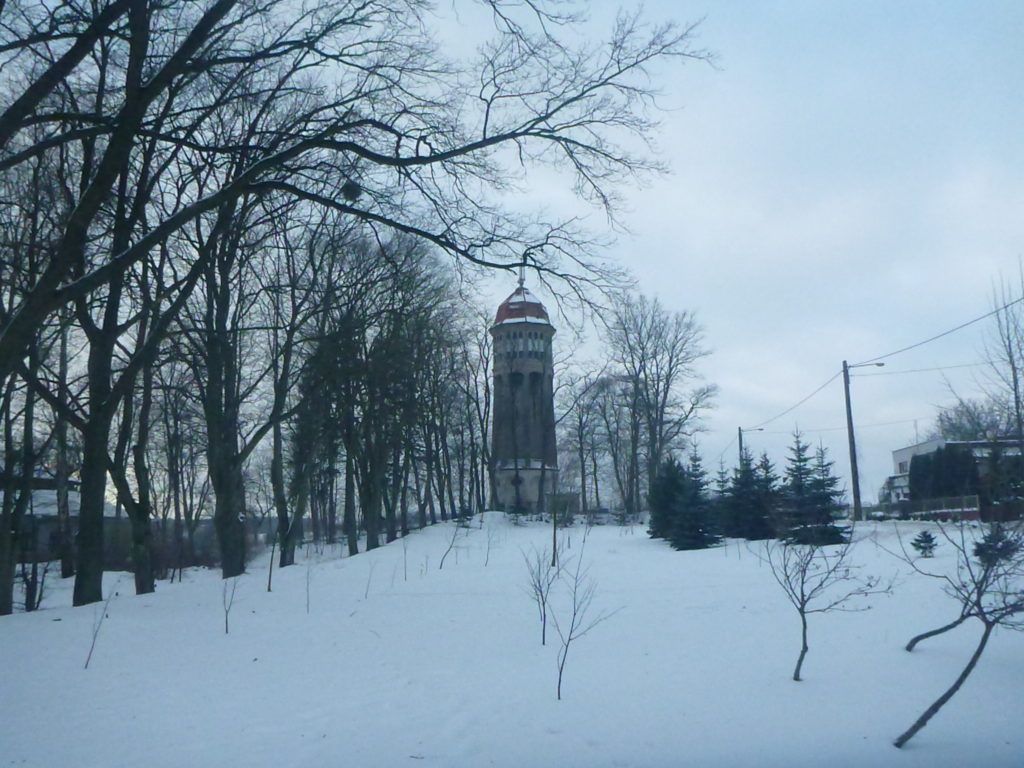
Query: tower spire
[(522, 274)]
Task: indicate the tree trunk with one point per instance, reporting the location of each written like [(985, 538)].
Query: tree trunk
[(143, 556), (62, 471), (286, 527), (7, 548), (391, 502), (421, 508), (803, 647), (332, 496), (581, 453), (429, 483), (16, 512), (929, 713), (92, 497), (174, 478), (371, 493), (348, 521), (229, 516)]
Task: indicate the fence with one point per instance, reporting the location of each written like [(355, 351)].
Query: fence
[(948, 508)]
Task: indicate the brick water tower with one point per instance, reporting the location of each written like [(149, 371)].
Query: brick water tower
[(523, 455)]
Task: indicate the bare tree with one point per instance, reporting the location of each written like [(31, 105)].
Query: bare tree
[(656, 352), (451, 543), (579, 423), (228, 599), (987, 585), (99, 616), (180, 129), (818, 579), (579, 620), (542, 576)]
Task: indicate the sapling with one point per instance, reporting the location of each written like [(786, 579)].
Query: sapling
[(270, 571), (369, 578), (309, 574), (988, 585), (581, 592), (542, 577), (228, 599), (490, 542), (97, 622), (818, 579), (451, 545), (924, 543)]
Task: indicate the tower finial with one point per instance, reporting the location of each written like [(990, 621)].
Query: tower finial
[(522, 274)]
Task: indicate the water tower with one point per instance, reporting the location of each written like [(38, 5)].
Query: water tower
[(523, 455)]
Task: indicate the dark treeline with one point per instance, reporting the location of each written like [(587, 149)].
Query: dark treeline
[(232, 241)]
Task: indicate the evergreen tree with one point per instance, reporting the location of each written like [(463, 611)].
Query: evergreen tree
[(721, 481), (924, 543), (746, 516), (692, 527), (768, 492), (952, 471), (796, 508), (997, 546), (720, 500), (826, 502), (664, 498)]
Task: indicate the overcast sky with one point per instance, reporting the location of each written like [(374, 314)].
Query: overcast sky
[(848, 180)]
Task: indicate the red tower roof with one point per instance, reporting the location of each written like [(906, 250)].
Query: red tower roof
[(522, 306)]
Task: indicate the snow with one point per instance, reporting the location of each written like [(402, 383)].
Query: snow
[(514, 320), (445, 667)]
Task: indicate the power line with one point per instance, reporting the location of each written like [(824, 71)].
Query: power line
[(843, 429), (792, 408), (960, 327), (916, 370), (727, 447), (886, 356)]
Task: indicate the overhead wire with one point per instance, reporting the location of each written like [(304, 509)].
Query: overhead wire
[(916, 370), (960, 327), (843, 428), (886, 356), (803, 400)]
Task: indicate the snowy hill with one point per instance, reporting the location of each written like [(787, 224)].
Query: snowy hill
[(400, 663)]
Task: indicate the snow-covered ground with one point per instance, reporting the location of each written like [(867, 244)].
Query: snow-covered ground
[(399, 663)]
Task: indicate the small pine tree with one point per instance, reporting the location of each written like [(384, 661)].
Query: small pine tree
[(826, 495), (812, 496), (768, 492), (924, 543), (692, 527), (746, 517), (996, 546), (796, 490), (720, 500)]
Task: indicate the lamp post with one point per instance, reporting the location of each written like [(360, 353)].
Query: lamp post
[(739, 435), (855, 476)]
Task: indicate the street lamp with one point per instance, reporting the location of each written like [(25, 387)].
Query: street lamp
[(855, 477), (739, 434)]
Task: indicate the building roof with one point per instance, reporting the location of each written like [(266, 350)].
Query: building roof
[(521, 306)]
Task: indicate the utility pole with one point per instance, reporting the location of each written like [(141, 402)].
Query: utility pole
[(739, 437), (855, 477)]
